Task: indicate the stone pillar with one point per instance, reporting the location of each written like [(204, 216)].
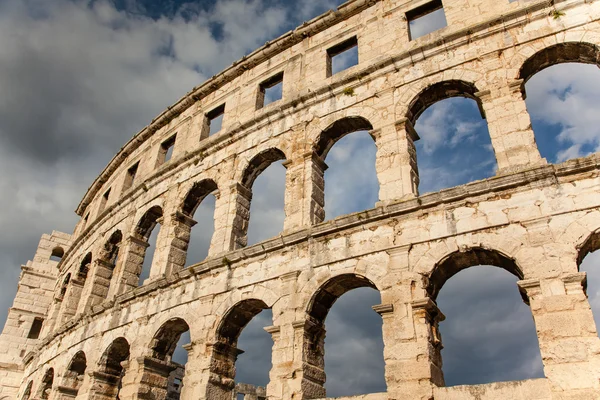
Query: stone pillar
[(238, 216), (286, 357), (178, 232), (197, 372), (510, 129), (306, 178), (396, 162), (147, 378), (103, 386), (127, 272), (71, 300), (567, 334), (98, 286), (309, 338), (221, 238), (412, 343)]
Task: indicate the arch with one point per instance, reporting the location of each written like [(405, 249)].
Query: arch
[(73, 377), (568, 52), (322, 301), (225, 351), (165, 340), (236, 318), (84, 267), (27, 392), (317, 311), (113, 356), (337, 130), (46, 386), (463, 259), (259, 163), (106, 381), (111, 247), (196, 194), (441, 91), (64, 286), (589, 245), (148, 221)]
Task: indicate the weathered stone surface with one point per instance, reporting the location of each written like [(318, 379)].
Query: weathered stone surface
[(102, 334)]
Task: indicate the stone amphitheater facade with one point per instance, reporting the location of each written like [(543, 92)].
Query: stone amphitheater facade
[(82, 328)]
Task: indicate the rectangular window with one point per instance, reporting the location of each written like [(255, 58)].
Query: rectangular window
[(36, 328), (342, 56), (426, 19), (213, 120), (270, 91), (130, 176), (104, 201), (166, 151)]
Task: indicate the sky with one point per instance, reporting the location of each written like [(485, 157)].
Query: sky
[(79, 78)]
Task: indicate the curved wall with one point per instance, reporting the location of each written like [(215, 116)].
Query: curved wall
[(530, 219)]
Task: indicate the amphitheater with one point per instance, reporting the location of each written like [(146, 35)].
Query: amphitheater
[(82, 327)]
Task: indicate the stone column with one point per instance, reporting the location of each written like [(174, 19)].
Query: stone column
[(309, 341), (567, 334), (178, 232), (147, 378), (238, 217), (313, 200), (510, 129), (396, 162), (127, 272), (412, 343), (98, 285), (197, 372), (71, 300)]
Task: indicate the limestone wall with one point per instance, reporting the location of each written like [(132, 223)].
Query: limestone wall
[(104, 336)]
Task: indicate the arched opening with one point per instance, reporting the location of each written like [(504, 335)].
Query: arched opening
[(350, 152), (560, 87), (588, 261), (165, 369), (453, 145), (195, 236), (84, 267), (489, 334), (105, 267), (27, 392), (226, 352), (107, 380), (349, 369), (57, 254), (74, 375), (64, 287), (147, 231), (46, 386), (260, 211)]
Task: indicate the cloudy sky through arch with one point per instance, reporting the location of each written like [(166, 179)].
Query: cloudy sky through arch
[(79, 78)]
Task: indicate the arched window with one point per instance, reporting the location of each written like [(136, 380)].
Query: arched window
[(147, 231), (167, 347), (57, 254), (27, 393), (85, 266), (563, 99), (350, 180), (199, 204), (46, 386), (260, 212), (107, 384), (225, 351), (588, 261), (453, 144), (64, 287), (74, 375), (105, 268), (488, 334), (350, 369)]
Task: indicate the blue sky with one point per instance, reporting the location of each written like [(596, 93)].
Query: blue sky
[(80, 78)]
